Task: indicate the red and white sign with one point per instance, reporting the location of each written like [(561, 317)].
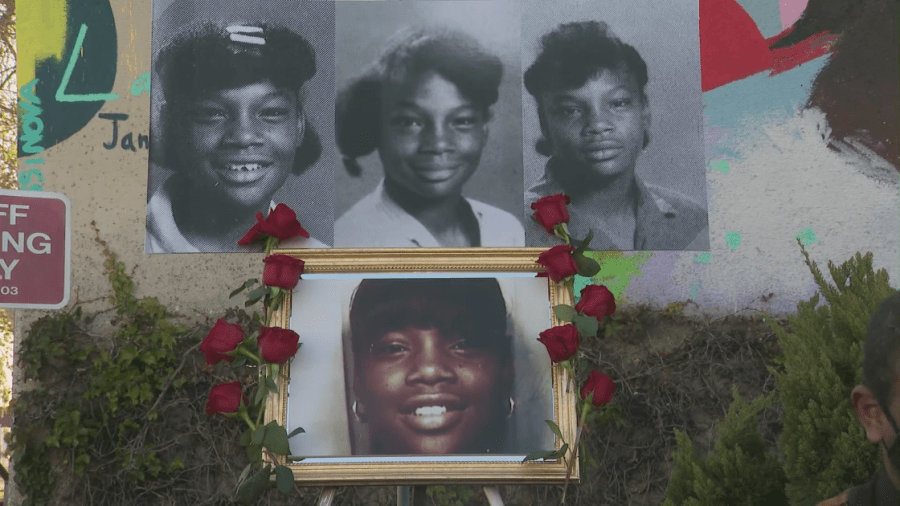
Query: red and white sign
[(35, 249)]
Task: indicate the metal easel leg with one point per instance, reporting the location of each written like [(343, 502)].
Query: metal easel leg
[(327, 496), (403, 495), (493, 495)]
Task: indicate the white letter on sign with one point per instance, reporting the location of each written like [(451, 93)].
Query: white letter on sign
[(7, 269), (45, 246)]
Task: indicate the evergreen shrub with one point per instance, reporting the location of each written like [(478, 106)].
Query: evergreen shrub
[(822, 447)]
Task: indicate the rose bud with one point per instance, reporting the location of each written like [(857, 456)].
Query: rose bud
[(551, 210), (596, 301), (282, 271), (225, 398), (561, 342), (601, 385), (281, 223), (277, 345), (222, 338), (559, 262)]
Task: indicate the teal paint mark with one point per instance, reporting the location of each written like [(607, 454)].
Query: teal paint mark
[(61, 95), (807, 236), (695, 290), (720, 166), (741, 107), (703, 258), (141, 85), (616, 270), (766, 15), (733, 240)]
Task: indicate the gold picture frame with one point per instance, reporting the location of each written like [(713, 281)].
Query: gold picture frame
[(327, 267)]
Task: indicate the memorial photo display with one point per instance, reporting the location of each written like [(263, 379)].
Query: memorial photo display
[(426, 124), (407, 372)]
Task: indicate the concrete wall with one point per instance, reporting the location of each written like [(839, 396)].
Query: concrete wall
[(773, 174)]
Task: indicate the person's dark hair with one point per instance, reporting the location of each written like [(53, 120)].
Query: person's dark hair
[(473, 307), (454, 55), (207, 56), (572, 54), (882, 349)]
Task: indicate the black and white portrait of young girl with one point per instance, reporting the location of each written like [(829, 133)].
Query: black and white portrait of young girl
[(431, 367), (613, 119), (429, 124), (237, 121)]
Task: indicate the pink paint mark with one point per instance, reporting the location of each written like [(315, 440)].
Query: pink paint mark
[(791, 11), (731, 45)]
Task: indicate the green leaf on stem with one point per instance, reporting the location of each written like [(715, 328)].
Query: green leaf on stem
[(254, 296), (545, 454), (257, 435), (284, 479), (239, 362), (275, 303), (261, 393), (587, 267), (558, 454), (276, 439), (555, 429), (298, 430), (254, 453), (246, 438), (587, 325), (564, 312), (245, 473), (270, 384), (583, 245), (253, 487), (247, 284)]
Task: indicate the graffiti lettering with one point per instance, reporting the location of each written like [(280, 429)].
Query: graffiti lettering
[(32, 135), (61, 95), (127, 142)]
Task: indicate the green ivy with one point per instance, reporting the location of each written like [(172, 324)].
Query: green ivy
[(107, 390)]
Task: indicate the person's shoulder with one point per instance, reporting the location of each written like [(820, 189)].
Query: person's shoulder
[(673, 202), (375, 222), (838, 500), (543, 187), (498, 227)]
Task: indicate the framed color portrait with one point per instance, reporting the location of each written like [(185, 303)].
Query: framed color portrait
[(422, 366)]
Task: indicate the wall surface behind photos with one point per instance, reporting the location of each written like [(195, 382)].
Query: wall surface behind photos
[(772, 178)]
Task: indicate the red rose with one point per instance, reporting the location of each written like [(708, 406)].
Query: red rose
[(551, 210), (602, 386), (277, 345), (596, 301), (559, 262), (561, 342), (222, 338), (281, 223), (282, 271), (225, 398)]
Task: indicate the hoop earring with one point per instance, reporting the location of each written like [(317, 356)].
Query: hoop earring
[(512, 407), (361, 418)]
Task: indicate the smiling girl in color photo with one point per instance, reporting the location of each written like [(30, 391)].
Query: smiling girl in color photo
[(433, 367), (234, 132), (425, 107)]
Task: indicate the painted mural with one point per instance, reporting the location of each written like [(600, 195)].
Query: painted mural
[(800, 111)]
